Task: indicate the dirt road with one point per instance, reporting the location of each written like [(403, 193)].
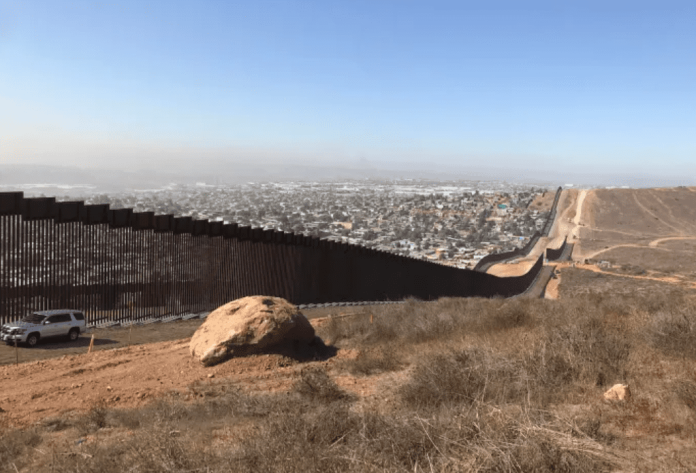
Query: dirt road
[(655, 243), (558, 232), (105, 339), (578, 214), (595, 254)]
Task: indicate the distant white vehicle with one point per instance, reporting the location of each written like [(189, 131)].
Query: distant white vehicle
[(44, 324)]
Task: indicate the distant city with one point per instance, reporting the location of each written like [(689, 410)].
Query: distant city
[(456, 223)]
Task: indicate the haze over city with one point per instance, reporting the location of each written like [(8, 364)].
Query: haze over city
[(347, 236), (597, 93)]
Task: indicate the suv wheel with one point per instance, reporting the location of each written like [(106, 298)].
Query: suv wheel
[(73, 334), (33, 339)]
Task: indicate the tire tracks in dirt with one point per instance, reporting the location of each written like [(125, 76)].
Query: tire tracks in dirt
[(668, 280), (562, 220), (578, 209), (575, 231), (654, 243), (571, 229), (652, 214), (623, 245), (631, 234), (669, 212)]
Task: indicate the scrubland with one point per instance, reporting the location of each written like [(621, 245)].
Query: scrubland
[(464, 385)]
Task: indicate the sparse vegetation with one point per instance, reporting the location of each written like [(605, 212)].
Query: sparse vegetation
[(376, 360), (461, 384), (673, 330), (318, 386)]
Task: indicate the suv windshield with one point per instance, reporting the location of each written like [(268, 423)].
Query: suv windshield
[(34, 318)]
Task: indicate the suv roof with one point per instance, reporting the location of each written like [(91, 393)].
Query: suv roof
[(55, 311)]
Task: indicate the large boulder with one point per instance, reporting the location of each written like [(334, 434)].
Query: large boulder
[(249, 325)]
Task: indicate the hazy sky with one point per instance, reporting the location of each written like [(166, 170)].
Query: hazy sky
[(606, 86)]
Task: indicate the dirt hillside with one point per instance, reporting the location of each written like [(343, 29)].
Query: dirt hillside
[(132, 376), (650, 230), (634, 233)]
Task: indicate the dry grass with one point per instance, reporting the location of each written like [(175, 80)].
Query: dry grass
[(416, 322), (16, 447), (673, 330), (581, 283), (686, 391), (375, 360), (478, 385), (318, 386)]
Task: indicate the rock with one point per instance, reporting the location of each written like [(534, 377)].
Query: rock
[(249, 325), (618, 392)]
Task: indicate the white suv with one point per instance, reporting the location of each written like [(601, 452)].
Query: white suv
[(44, 324)]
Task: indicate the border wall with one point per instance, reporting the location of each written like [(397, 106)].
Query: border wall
[(553, 255), (494, 258), (563, 253), (120, 265)]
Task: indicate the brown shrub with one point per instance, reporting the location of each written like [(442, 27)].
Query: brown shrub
[(281, 434), (446, 318), (686, 392), (331, 437), (316, 384), (300, 440), (541, 453), (571, 347), (97, 414), (373, 361), (93, 420), (463, 377), (673, 331), (579, 346), (56, 424), (156, 449), (666, 300), (15, 445)]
